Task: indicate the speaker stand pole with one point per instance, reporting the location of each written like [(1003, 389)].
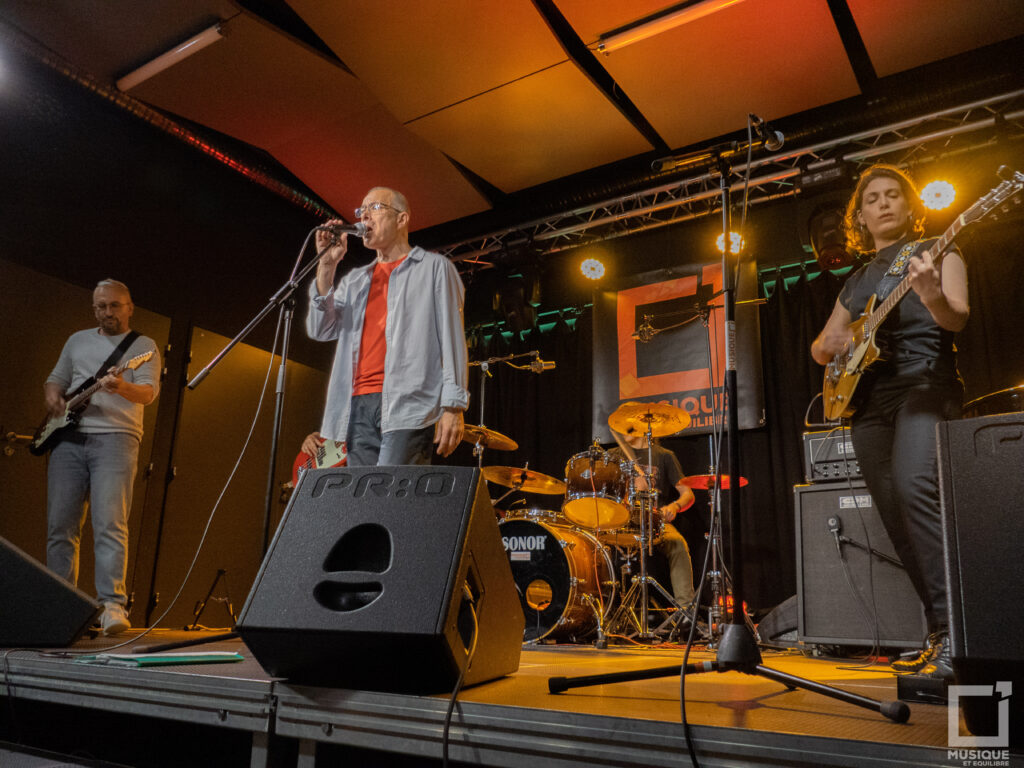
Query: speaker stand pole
[(737, 651)]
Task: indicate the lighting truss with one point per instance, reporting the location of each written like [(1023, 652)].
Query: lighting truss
[(946, 133)]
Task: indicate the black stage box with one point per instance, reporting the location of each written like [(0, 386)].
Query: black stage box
[(981, 477), (37, 608), (370, 580), (835, 524)]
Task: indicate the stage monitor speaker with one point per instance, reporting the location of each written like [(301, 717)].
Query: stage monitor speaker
[(981, 466), (37, 608), (836, 525), (372, 580)]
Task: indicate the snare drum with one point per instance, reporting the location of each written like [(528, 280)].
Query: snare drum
[(563, 576), (597, 486)]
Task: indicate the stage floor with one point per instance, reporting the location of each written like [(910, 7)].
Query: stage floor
[(737, 719)]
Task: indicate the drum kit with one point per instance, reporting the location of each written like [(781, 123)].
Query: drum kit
[(564, 562)]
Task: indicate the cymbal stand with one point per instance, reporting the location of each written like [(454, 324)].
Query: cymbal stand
[(639, 593)]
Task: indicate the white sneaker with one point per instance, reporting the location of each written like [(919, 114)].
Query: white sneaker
[(114, 620)]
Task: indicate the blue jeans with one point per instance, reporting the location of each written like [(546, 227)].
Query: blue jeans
[(101, 469), (367, 447)]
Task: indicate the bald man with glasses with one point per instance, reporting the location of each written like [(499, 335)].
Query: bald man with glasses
[(400, 375)]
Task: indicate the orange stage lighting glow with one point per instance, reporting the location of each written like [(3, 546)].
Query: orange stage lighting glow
[(937, 195), (735, 243), (592, 269)]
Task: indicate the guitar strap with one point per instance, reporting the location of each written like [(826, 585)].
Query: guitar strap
[(896, 271), (116, 355)]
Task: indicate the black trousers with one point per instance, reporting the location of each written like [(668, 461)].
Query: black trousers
[(894, 438)]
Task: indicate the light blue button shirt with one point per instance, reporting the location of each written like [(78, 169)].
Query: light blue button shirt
[(426, 364)]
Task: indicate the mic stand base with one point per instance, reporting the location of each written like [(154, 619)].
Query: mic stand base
[(740, 655)]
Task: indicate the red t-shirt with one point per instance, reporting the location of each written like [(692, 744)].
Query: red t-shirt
[(369, 375)]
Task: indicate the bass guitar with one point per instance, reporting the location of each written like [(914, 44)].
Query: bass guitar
[(844, 371), (50, 431)]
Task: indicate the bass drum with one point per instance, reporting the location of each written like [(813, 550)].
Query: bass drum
[(563, 576)]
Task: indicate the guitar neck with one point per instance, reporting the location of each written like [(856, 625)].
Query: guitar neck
[(938, 249)]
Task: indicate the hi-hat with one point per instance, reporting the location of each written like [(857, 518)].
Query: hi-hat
[(633, 418), (703, 482), (524, 480), (488, 438)]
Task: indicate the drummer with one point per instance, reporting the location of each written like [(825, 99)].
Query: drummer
[(668, 481)]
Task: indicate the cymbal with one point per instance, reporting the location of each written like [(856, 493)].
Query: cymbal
[(524, 480), (703, 482), (633, 417), (489, 438)]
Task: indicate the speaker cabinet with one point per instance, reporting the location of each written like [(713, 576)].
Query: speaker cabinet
[(981, 479), (843, 592), (373, 579), (37, 608)]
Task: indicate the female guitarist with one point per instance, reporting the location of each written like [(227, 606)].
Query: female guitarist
[(913, 385)]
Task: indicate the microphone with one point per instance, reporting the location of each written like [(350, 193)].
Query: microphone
[(772, 139), (834, 527), (358, 229), (539, 366)]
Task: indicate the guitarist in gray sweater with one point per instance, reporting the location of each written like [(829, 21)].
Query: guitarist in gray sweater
[(912, 385), (94, 457)]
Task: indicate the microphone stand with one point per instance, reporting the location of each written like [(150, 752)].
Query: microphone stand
[(737, 649), (283, 298)]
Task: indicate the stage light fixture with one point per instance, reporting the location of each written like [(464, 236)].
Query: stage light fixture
[(592, 269), (166, 60), (938, 194), (736, 243), (828, 238), (655, 23)]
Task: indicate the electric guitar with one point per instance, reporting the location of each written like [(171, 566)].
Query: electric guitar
[(843, 372), (330, 454), (50, 431)]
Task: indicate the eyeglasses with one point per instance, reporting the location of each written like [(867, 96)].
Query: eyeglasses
[(373, 208), (113, 306)]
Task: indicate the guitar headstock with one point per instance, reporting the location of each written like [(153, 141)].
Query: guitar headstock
[(1007, 190), (138, 360)]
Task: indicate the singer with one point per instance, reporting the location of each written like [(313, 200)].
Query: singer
[(400, 371), (905, 395)]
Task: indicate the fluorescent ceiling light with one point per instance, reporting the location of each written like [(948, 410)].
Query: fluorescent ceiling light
[(660, 21), (172, 57)]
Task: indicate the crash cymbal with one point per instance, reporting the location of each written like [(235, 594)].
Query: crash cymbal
[(488, 438), (703, 482), (632, 417), (524, 480)]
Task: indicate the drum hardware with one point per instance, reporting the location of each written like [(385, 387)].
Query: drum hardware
[(657, 419)]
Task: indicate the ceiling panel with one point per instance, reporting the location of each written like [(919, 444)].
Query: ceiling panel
[(418, 57), (109, 38), (343, 160), (699, 80), (551, 124), (906, 34), (260, 86)]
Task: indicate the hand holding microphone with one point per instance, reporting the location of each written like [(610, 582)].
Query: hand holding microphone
[(332, 241)]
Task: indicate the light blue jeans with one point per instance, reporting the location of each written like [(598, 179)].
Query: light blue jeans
[(100, 468)]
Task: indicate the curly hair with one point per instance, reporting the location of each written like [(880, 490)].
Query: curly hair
[(858, 239)]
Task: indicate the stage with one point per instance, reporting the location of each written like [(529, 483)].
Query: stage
[(235, 714)]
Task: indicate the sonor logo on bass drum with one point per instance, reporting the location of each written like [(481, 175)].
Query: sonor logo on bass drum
[(524, 543)]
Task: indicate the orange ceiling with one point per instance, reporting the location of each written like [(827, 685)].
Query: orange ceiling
[(489, 84)]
